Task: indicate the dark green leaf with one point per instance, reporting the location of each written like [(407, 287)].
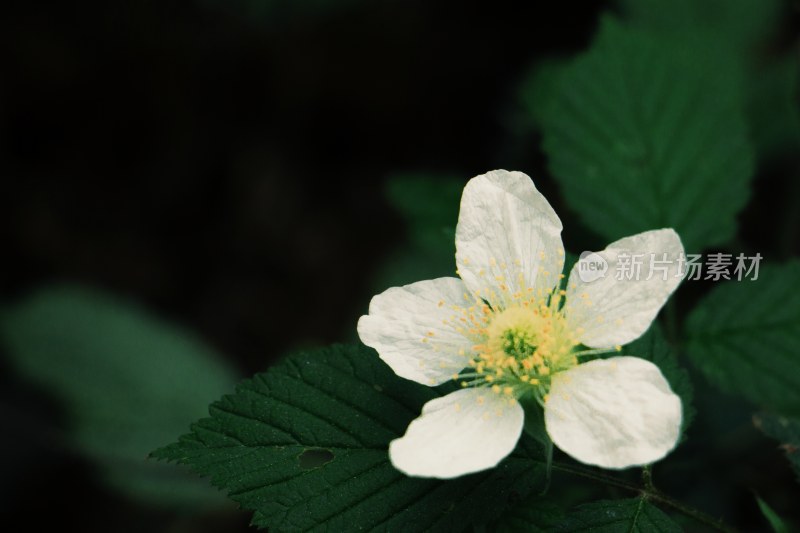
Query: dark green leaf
[(773, 108), (124, 380), (534, 516), (655, 348), (617, 516), (344, 401), (429, 205), (738, 24), (744, 336), (643, 133), (739, 29), (775, 521), (786, 431), (539, 87)]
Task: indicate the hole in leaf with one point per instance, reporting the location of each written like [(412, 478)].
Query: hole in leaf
[(314, 458)]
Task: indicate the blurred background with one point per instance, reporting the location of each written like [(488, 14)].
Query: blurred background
[(235, 179)]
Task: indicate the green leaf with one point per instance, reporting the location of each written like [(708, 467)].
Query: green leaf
[(744, 336), (739, 29), (347, 405), (124, 380), (775, 521), (429, 205), (643, 133), (773, 108), (786, 431), (741, 24), (538, 88), (534, 516), (655, 348), (617, 516)]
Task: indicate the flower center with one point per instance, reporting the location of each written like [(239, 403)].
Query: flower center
[(520, 346)]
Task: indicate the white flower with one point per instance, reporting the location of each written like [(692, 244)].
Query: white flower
[(507, 330)]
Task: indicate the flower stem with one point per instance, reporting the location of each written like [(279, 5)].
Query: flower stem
[(648, 491), (647, 477)]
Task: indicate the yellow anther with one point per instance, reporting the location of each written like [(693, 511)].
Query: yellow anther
[(496, 389), (508, 391)]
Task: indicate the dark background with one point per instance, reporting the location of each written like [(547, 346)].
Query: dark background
[(214, 164), (225, 165)]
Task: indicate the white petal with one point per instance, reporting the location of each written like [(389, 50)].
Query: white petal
[(613, 309), (406, 325), (466, 431), (507, 235), (614, 413)]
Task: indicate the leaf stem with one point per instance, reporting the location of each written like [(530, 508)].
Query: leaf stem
[(649, 492)]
